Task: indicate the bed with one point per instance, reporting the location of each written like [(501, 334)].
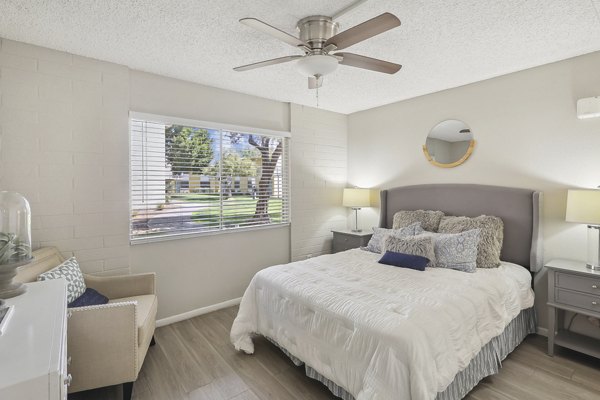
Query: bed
[(373, 332)]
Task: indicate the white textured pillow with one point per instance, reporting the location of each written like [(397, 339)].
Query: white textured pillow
[(428, 219), (70, 271), (419, 245)]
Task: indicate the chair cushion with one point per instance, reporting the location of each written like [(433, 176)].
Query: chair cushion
[(146, 314)]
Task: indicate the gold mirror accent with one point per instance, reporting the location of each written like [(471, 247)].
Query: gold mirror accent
[(449, 144)]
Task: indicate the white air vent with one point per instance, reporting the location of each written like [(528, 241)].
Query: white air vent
[(588, 107)]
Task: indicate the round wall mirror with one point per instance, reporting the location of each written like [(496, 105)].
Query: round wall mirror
[(449, 144)]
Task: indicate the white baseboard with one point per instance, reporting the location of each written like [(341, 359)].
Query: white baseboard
[(196, 312), (542, 331)]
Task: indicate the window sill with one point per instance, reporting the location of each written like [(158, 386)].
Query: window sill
[(137, 241)]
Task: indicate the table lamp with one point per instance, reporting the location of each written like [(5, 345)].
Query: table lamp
[(583, 206), (356, 198)]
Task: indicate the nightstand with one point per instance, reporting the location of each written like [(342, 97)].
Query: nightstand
[(346, 239), (572, 287)]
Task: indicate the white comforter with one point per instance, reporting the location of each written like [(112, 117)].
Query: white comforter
[(381, 332)]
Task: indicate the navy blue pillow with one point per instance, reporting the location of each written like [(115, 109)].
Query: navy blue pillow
[(89, 298), (404, 260)]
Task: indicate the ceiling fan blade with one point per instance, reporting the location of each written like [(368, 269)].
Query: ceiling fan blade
[(272, 31), (373, 64), (347, 9), (315, 82), (266, 63), (366, 30)]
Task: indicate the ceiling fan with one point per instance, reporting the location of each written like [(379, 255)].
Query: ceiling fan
[(319, 39)]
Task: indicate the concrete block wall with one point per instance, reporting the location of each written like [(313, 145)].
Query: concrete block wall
[(64, 146), (319, 165)]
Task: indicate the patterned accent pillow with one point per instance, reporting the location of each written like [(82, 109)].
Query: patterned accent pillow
[(456, 250), (428, 219), (70, 271), (89, 298), (490, 240), (420, 245), (379, 234)]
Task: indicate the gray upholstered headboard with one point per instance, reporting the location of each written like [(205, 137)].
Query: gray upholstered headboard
[(518, 208)]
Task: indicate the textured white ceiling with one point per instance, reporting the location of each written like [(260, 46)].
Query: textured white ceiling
[(441, 43)]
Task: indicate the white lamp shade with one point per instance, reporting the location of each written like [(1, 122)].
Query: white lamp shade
[(583, 206), (356, 197), (318, 64)]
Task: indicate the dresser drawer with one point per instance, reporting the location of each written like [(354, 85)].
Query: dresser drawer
[(578, 283), (578, 300)]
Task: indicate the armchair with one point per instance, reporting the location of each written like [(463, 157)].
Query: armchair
[(107, 344)]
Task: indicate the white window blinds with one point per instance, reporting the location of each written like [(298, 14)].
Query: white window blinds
[(189, 178)]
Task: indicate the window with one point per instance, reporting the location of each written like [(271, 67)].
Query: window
[(192, 177)]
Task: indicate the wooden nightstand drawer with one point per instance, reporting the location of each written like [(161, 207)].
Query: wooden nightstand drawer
[(572, 287), (578, 283), (342, 243), (346, 240), (578, 300)]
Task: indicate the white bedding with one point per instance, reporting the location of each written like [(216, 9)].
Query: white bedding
[(378, 331)]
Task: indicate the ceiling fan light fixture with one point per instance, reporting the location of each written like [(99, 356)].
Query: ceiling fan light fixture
[(318, 64)]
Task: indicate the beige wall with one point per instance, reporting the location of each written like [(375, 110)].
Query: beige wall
[(175, 98), (527, 136), (199, 272)]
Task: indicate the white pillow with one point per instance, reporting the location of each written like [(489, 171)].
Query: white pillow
[(70, 271)]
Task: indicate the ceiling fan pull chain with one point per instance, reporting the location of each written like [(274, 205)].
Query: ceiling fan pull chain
[(317, 97)]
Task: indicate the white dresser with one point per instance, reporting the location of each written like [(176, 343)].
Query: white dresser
[(33, 348)]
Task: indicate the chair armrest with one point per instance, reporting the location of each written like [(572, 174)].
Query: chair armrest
[(116, 287), (102, 344)]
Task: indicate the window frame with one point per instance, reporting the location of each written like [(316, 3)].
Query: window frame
[(162, 119)]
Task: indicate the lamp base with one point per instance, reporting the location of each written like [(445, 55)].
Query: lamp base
[(360, 230), (593, 256), (356, 220), (8, 287)]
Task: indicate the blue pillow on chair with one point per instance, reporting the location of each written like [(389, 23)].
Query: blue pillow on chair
[(404, 260), (89, 298)]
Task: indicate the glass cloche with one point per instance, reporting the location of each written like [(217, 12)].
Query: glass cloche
[(15, 229)]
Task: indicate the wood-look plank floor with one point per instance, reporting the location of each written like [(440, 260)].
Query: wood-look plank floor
[(194, 360)]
